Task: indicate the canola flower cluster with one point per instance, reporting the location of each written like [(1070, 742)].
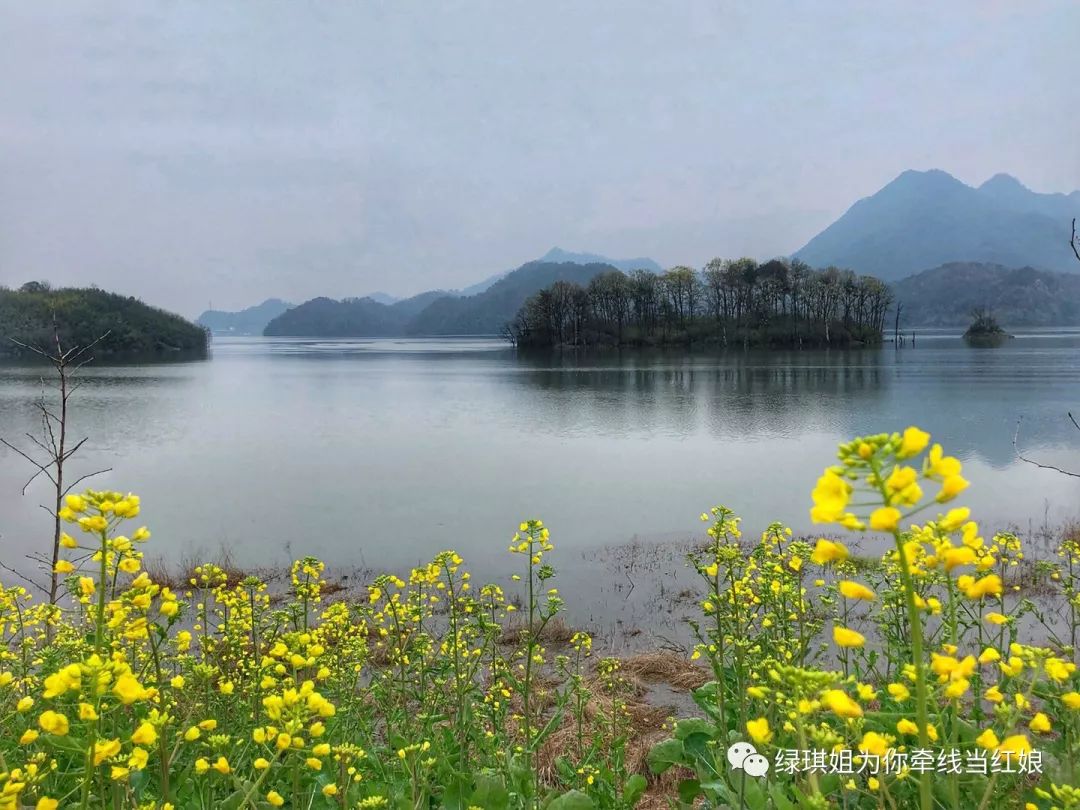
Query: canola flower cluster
[(219, 694), (135, 695), (917, 653)]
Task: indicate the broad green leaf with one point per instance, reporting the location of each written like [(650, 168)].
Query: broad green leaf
[(689, 789), (665, 754), (634, 789), (574, 800), (490, 792), (695, 725)]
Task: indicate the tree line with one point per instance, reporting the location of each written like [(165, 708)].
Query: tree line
[(730, 302)]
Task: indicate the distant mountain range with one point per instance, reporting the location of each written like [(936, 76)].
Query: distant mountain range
[(922, 219), (926, 219), (250, 321), (431, 313), (482, 308), (559, 256), (946, 295)]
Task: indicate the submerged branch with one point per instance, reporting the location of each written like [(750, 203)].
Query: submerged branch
[(1040, 465)]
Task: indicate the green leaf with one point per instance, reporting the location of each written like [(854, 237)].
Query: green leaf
[(689, 789), (697, 745), (634, 789), (780, 799), (565, 769), (574, 800), (705, 697), (490, 792), (694, 725), (665, 754), (233, 801)]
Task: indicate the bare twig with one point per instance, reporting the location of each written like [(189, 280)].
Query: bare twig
[(1074, 241), (42, 469), (24, 578), (52, 444), (1019, 455), (82, 478), (78, 351)]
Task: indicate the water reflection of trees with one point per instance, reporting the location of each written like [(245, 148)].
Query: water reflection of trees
[(969, 401)]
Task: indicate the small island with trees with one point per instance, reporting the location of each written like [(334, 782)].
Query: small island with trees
[(738, 303), (984, 329), (36, 315)]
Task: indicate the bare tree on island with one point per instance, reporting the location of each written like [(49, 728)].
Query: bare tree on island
[(52, 448)]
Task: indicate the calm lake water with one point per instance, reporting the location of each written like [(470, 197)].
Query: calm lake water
[(382, 452)]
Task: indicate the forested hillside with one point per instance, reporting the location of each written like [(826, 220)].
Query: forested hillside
[(946, 295), (82, 315)]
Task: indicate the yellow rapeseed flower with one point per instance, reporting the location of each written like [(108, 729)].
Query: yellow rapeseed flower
[(856, 590), (840, 703), (912, 442), (874, 743), (128, 689), (1040, 723), (105, 749), (951, 487), (899, 692), (1015, 745), (845, 637), (830, 496), (885, 519), (759, 730), (53, 723), (827, 551), (145, 734)]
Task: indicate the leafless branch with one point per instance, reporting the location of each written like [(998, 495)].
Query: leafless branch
[(82, 478), (31, 348), (41, 468), (36, 441), (1074, 241), (1041, 466), (69, 453), (24, 578), (78, 352), (52, 442)]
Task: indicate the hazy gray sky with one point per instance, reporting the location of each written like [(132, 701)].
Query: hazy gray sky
[(190, 151)]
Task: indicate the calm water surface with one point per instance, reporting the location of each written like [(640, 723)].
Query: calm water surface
[(384, 452)]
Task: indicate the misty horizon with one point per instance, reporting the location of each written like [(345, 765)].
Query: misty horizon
[(189, 154)]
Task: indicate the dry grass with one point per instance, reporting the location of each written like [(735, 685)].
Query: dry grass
[(178, 576), (645, 728), (556, 632), (666, 667)]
